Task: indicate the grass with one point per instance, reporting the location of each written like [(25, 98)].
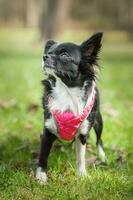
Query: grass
[(21, 122)]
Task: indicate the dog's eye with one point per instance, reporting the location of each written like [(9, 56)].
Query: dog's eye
[(64, 55)]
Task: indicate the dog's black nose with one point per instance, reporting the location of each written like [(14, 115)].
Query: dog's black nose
[(45, 57)]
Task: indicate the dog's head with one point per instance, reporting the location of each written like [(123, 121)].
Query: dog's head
[(71, 61)]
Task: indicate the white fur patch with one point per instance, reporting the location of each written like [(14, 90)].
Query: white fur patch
[(51, 125), (80, 151), (84, 127), (42, 64), (65, 98), (41, 176), (101, 153)]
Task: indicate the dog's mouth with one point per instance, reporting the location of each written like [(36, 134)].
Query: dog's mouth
[(46, 65), (49, 63), (50, 68)]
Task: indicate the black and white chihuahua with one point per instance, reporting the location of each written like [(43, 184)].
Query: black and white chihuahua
[(72, 75)]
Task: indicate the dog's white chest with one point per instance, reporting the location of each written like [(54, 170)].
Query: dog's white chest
[(66, 99)]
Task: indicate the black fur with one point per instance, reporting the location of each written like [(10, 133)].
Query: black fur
[(74, 64), (47, 140)]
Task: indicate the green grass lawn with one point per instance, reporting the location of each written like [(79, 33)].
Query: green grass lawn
[(21, 121)]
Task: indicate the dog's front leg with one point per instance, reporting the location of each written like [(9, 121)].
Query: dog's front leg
[(47, 139), (80, 151)]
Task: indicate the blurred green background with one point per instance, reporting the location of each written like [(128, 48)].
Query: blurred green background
[(24, 27)]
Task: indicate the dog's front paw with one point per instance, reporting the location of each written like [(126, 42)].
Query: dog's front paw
[(82, 172), (41, 175), (101, 154)]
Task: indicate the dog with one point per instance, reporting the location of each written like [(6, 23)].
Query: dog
[(71, 99)]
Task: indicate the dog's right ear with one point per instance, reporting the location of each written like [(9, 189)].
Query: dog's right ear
[(48, 44), (91, 47)]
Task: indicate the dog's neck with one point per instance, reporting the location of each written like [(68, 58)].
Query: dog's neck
[(65, 98), (71, 83), (79, 81)]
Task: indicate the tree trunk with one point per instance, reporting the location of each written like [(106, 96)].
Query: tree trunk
[(32, 12), (53, 18)]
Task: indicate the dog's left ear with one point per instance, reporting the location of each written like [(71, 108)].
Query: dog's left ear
[(91, 47), (48, 44)]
